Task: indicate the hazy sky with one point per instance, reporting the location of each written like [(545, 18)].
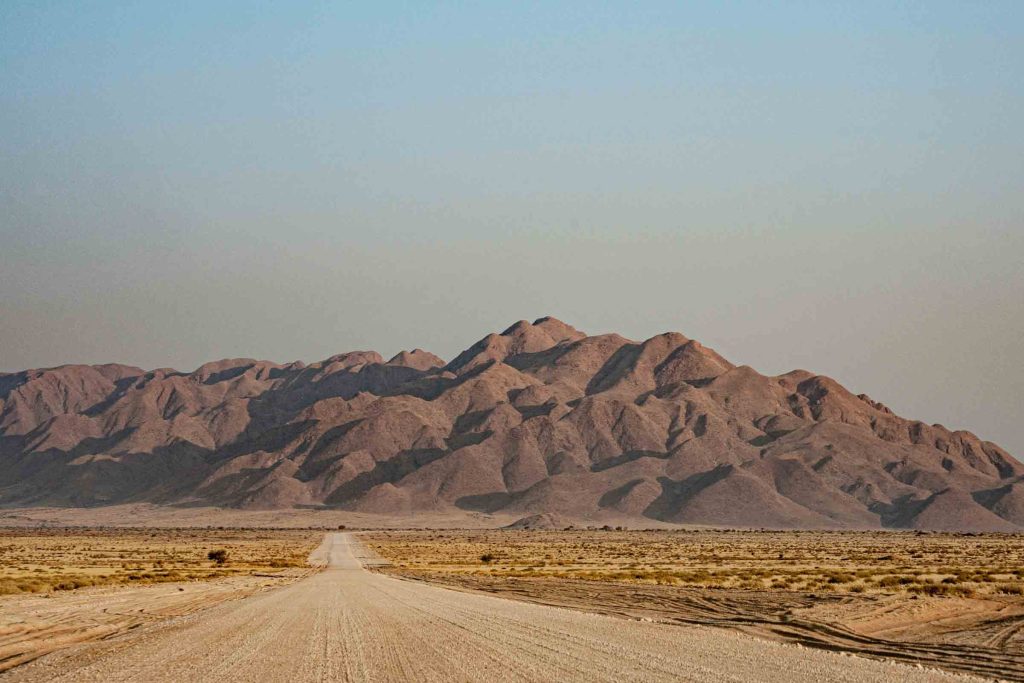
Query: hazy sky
[(837, 187)]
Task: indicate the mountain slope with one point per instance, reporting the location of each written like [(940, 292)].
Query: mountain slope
[(538, 419)]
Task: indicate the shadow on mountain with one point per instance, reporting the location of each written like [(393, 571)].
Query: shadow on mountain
[(675, 494), (628, 456), (485, 502), (385, 472)]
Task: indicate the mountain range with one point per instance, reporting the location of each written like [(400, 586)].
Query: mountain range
[(540, 419)]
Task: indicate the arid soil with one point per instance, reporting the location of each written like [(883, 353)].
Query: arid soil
[(539, 419), (948, 601), (64, 586), (32, 625), (42, 560), (346, 624)]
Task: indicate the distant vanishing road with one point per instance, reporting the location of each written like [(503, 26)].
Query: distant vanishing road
[(347, 624)]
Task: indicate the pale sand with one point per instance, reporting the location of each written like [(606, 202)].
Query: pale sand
[(346, 624)]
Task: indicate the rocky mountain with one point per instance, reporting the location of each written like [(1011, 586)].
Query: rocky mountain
[(538, 420)]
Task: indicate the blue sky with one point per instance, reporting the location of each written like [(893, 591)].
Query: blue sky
[(836, 186)]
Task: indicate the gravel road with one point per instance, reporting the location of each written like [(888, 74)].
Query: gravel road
[(347, 624)]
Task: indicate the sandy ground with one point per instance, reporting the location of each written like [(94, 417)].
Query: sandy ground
[(347, 624), (960, 635), (949, 601), (32, 625)]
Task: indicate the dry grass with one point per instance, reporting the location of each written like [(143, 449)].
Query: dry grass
[(844, 562), (41, 560)]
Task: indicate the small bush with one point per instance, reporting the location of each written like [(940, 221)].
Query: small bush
[(279, 563), (941, 589), (219, 556), (486, 557)]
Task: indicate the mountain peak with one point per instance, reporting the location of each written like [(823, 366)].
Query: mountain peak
[(417, 359), (519, 338)]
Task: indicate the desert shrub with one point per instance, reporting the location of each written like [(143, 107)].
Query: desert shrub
[(280, 563), (941, 589), (33, 586), (487, 557), (840, 578), (219, 556)]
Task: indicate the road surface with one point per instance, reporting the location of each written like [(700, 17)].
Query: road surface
[(347, 624)]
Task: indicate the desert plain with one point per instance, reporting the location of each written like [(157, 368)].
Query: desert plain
[(324, 604), (64, 586), (952, 601)]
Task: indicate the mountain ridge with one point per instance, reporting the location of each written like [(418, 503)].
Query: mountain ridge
[(540, 419)]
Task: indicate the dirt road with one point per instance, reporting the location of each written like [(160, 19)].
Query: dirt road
[(346, 624)]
